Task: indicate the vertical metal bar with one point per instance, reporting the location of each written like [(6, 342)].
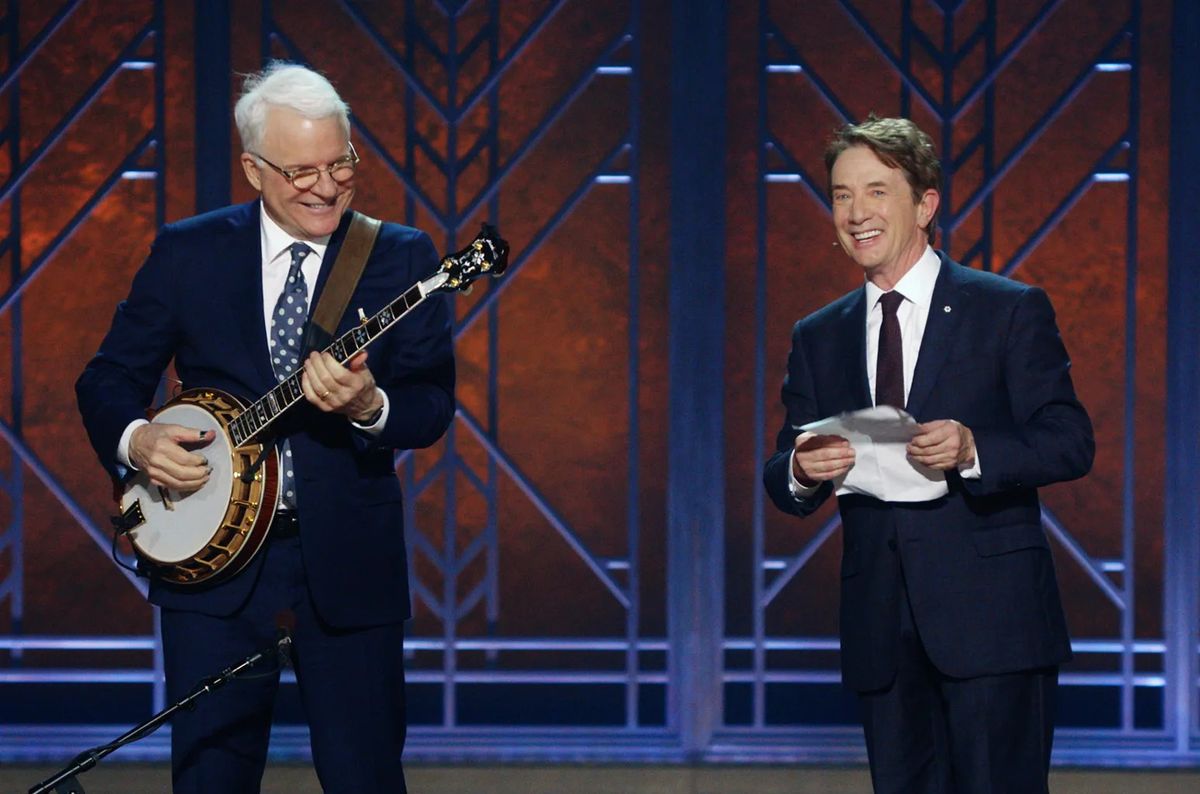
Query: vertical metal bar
[(1129, 517), (493, 340), (453, 114), (410, 109), (449, 568), (450, 571), (696, 476), (946, 64), (213, 67), (1181, 542), (906, 26), (160, 114), (159, 694), (633, 489), (987, 254), (16, 480), (758, 695)]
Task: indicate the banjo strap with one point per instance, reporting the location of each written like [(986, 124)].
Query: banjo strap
[(347, 269)]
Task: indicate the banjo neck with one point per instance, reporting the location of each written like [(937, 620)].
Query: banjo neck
[(251, 425)]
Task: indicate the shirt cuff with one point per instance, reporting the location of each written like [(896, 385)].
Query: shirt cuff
[(973, 472), (798, 491), (376, 427), (123, 444)]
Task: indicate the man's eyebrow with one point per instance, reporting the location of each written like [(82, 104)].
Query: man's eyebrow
[(876, 183), (345, 156)]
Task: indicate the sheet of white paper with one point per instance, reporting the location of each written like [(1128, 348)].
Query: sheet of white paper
[(881, 465)]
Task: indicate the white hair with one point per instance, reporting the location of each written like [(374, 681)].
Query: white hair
[(287, 85)]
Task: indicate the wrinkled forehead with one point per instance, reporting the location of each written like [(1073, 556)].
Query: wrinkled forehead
[(292, 135)]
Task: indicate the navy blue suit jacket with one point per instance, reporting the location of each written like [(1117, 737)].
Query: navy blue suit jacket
[(976, 562), (198, 298)]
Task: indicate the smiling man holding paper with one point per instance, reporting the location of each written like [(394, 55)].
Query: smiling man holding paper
[(951, 625)]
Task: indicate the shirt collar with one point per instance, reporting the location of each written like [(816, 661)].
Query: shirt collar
[(276, 240), (916, 285)]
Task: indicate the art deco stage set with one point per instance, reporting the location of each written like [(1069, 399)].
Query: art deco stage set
[(604, 598)]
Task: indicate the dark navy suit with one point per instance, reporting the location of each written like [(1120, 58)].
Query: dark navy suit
[(198, 298), (974, 565)]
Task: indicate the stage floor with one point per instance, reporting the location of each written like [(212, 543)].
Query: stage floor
[(299, 779)]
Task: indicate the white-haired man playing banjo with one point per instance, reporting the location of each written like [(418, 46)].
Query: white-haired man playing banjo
[(216, 294)]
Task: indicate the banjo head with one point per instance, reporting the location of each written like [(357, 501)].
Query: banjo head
[(209, 534), (187, 519)]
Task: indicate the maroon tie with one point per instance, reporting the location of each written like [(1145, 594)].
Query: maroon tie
[(889, 368)]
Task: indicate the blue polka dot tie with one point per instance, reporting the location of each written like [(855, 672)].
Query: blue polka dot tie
[(287, 332)]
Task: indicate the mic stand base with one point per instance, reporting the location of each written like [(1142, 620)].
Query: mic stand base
[(65, 782)]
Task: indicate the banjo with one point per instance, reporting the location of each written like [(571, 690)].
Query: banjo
[(205, 536)]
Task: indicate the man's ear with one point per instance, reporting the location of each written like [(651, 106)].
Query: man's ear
[(251, 170), (927, 207)]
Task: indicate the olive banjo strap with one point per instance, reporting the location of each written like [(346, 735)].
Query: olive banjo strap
[(347, 269)]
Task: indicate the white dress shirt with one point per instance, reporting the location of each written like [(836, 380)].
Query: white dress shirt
[(913, 313)]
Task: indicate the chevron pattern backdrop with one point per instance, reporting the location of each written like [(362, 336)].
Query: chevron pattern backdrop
[(538, 527), (1040, 111)]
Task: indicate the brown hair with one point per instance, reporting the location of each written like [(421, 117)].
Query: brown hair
[(898, 143)]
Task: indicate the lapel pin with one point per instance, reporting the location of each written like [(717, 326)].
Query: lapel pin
[(946, 309)]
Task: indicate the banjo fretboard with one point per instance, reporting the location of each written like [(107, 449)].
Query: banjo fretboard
[(255, 419)]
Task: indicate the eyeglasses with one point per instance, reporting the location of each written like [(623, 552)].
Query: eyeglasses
[(340, 171)]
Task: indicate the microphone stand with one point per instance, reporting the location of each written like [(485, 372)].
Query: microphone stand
[(65, 782)]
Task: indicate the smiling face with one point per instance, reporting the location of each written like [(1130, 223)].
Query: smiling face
[(292, 141), (878, 222)]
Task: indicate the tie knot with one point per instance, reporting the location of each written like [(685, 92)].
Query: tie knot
[(299, 251), (890, 301)]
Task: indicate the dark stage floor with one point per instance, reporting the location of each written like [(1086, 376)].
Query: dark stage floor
[(297, 779)]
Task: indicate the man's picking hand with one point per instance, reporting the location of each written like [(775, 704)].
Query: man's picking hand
[(162, 452)]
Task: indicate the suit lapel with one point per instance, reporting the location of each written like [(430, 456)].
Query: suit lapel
[(947, 307), (246, 293), (854, 332)]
